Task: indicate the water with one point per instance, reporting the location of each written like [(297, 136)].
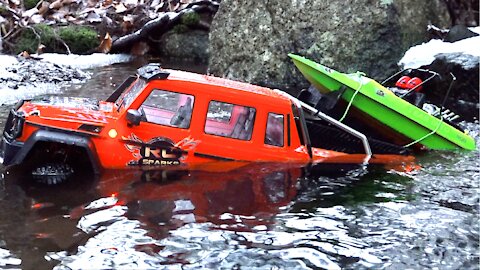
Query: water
[(256, 217)]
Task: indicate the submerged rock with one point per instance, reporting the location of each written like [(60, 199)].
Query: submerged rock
[(250, 40)]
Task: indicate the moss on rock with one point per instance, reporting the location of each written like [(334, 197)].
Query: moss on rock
[(30, 38), (79, 39), (180, 28), (3, 11), (28, 4), (190, 18)]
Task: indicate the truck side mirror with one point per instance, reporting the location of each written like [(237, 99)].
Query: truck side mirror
[(133, 117)]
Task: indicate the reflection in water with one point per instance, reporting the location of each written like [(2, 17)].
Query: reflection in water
[(124, 215), (257, 215), (252, 216)]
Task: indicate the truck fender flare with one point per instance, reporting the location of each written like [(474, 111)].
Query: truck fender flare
[(61, 138)]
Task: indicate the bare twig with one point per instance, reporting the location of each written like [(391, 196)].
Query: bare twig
[(4, 31), (13, 32), (57, 37), (14, 13), (39, 38)]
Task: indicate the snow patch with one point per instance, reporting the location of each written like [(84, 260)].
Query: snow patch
[(85, 61), (10, 96), (6, 61), (475, 29), (27, 79), (425, 53)]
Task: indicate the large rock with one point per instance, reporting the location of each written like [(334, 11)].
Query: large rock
[(460, 59), (189, 45), (464, 94), (250, 40)]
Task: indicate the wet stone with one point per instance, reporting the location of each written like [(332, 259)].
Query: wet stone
[(12, 85), (32, 72)]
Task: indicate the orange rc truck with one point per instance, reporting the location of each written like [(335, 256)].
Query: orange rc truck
[(172, 118)]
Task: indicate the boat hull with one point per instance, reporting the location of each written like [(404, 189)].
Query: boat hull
[(383, 105)]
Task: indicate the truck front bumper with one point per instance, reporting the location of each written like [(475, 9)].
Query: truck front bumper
[(8, 151)]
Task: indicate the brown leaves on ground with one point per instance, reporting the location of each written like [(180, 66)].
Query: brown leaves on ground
[(80, 10), (111, 17), (106, 44)]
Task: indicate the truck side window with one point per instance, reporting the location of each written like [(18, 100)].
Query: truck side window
[(168, 108), (274, 132), (230, 120)]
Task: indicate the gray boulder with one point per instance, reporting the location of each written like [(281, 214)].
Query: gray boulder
[(249, 40), (464, 94), (190, 45)]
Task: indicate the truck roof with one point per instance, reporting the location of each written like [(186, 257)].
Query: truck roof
[(225, 83)]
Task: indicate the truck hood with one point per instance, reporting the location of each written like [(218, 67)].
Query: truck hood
[(71, 109)]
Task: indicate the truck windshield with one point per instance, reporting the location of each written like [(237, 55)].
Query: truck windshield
[(127, 97)]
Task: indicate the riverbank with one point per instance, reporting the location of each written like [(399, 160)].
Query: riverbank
[(85, 27), (25, 78)]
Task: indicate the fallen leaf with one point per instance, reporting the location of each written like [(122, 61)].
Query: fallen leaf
[(155, 3), (44, 7), (58, 16), (130, 2), (107, 3), (127, 24), (35, 19), (120, 8), (158, 7), (106, 44), (14, 3), (56, 4), (71, 19), (86, 10), (40, 48), (173, 6), (93, 17), (92, 3), (25, 54), (30, 12), (129, 18)]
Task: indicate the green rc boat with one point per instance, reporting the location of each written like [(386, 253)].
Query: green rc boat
[(370, 99)]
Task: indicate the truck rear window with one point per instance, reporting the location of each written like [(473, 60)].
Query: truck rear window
[(274, 132)]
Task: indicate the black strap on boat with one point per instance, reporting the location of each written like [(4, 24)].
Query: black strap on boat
[(323, 102), (448, 92), (330, 100)]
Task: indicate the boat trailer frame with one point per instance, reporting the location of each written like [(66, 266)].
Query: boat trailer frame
[(342, 126)]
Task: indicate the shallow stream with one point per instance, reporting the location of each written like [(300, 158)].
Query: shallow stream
[(268, 217)]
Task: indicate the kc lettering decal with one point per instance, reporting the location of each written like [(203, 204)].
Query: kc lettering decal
[(157, 151)]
